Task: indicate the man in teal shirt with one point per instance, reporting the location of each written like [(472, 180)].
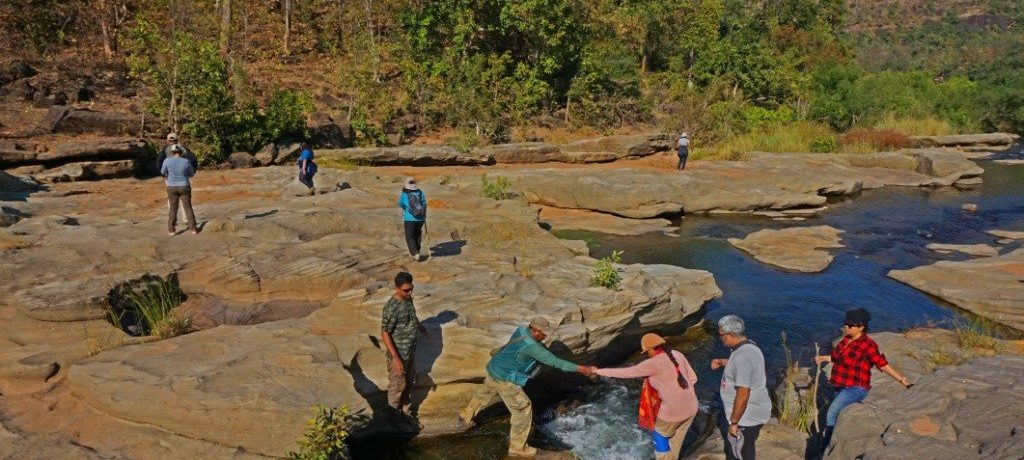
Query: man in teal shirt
[(507, 371)]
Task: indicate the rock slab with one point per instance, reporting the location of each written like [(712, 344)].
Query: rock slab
[(804, 249), (991, 287)]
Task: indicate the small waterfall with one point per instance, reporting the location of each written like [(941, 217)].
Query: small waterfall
[(605, 427)]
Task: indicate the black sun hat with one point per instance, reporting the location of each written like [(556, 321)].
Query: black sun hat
[(857, 316)]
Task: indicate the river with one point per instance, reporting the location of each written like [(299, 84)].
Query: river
[(884, 229)]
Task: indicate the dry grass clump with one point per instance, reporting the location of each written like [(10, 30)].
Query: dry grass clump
[(339, 163), (860, 140), (926, 126)]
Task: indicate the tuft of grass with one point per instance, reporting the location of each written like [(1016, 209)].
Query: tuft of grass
[(150, 302), (498, 234), (977, 335), (927, 126), (498, 189), (797, 409), (9, 242), (797, 137), (605, 274), (326, 434)]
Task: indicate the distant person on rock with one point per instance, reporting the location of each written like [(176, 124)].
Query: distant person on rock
[(851, 360), (399, 329), (682, 150), (414, 203), (307, 168), (668, 402), (744, 390), (165, 153), (177, 172), (510, 367)]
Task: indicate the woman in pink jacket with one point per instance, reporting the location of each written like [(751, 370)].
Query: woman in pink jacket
[(669, 373)]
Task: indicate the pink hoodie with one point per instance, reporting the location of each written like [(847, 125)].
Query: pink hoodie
[(677, 404)]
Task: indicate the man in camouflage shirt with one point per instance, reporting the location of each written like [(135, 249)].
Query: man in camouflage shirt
[(398, 329)]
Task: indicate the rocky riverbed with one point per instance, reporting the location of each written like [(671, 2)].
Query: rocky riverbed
[(285, 290)]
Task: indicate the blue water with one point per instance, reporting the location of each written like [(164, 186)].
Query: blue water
[(884, 229)]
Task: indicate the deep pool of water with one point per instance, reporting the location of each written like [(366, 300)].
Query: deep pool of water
[(884, 229)]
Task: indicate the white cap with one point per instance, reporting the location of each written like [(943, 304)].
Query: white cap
[(172, 137), (682, 135), (410, 183)]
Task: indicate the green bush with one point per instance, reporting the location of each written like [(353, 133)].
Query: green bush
[(498, 189), (826, 144), (605, 273), (325, 435), (192, 82)]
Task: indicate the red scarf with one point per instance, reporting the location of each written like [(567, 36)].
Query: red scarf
[(650, 402)]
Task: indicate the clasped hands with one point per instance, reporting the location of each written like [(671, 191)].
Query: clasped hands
[(586, 370)]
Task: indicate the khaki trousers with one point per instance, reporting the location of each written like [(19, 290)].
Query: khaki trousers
[(676, 434), (400, 382), (517, 402)]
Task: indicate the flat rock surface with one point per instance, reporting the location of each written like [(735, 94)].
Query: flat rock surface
[(962, 140), (287, 293), (803, 249), (1007, 234), (767, 182), (575, 219), (976, 250), (992, 287)]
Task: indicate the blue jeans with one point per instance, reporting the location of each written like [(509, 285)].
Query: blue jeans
[(682, 161), (844, 398)]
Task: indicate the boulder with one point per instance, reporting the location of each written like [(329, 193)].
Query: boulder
[(266, 155), (611, 148), (803, 249), (16, 70), (326, 133), (64, 119), (976, 250), (965, 140), (527, 152), (242, 160), (104, 149), (286, 153), (88, 170), (991, 287)]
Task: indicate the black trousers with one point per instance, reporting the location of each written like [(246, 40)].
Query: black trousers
[(747, 450), (413, 236)]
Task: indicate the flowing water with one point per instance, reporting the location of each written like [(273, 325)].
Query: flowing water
[(884, 229)]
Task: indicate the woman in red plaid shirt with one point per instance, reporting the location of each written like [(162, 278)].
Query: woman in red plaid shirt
[(851, 362)]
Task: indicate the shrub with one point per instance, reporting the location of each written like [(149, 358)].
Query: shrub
[(498, 189), (325, 435), (873, 140), (825, 144), (605, 273), (144, 307)]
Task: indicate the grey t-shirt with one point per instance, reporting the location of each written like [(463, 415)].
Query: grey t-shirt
[(746, 369)]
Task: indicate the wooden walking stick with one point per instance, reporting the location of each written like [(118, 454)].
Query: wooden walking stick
[(814, 387)]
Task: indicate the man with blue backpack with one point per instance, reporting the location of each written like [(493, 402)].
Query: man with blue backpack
[(414, 203), (307, 168), (510, 367)]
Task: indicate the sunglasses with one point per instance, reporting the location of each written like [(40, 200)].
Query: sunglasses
[(407, 290), (852, 325)]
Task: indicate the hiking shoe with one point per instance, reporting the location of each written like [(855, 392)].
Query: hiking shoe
[(525, 452), (403, 422)]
